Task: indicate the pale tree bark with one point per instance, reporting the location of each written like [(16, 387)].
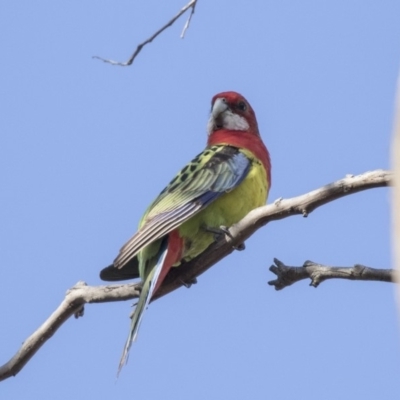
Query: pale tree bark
[(187, 273), (318, 273)]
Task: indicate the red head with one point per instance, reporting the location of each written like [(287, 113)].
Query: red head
[(231, 111)]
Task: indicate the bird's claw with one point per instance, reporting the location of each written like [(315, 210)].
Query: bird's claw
[(80, 312), (189, 283), (240, 247), (224, 230)]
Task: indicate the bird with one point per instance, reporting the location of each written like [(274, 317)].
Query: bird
[(221, 185)]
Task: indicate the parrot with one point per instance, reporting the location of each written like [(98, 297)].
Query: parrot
[(221, 185)]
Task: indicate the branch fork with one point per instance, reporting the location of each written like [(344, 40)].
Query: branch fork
[(191, 5)]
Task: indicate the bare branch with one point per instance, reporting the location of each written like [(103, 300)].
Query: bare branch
[(318, 273), (186, 274), (191, 5), (75, 299)]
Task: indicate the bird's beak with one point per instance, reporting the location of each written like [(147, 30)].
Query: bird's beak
[(219, 107), (217, 115)]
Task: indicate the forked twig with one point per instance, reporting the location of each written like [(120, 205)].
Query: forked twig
[(191, 4), (318, 273)]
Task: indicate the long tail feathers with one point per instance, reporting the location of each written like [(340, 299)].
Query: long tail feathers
[(144, 300)]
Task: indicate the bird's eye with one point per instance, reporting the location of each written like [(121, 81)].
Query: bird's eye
[(242, 106)]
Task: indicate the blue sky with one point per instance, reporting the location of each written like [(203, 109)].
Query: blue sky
[(85, 147)]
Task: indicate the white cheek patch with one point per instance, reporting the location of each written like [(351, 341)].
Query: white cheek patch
[(227, 120), (234, 122)]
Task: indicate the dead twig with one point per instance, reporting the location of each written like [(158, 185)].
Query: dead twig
[(191, 5), (318, 273)]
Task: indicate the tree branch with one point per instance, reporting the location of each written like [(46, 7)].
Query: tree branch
[(318, 273), (73, 304), (186, 274), (191, 5)]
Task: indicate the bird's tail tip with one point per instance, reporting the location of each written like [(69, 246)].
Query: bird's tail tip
[(125, 355)]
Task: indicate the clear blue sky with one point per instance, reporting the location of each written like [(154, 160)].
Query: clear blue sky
[(85, 147)]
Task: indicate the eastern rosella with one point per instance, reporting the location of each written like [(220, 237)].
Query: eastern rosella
[(216, 189)]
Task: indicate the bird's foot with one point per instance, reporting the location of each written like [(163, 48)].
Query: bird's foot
[(240, 247), (189, 283), (222, 231), (80, 312)]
